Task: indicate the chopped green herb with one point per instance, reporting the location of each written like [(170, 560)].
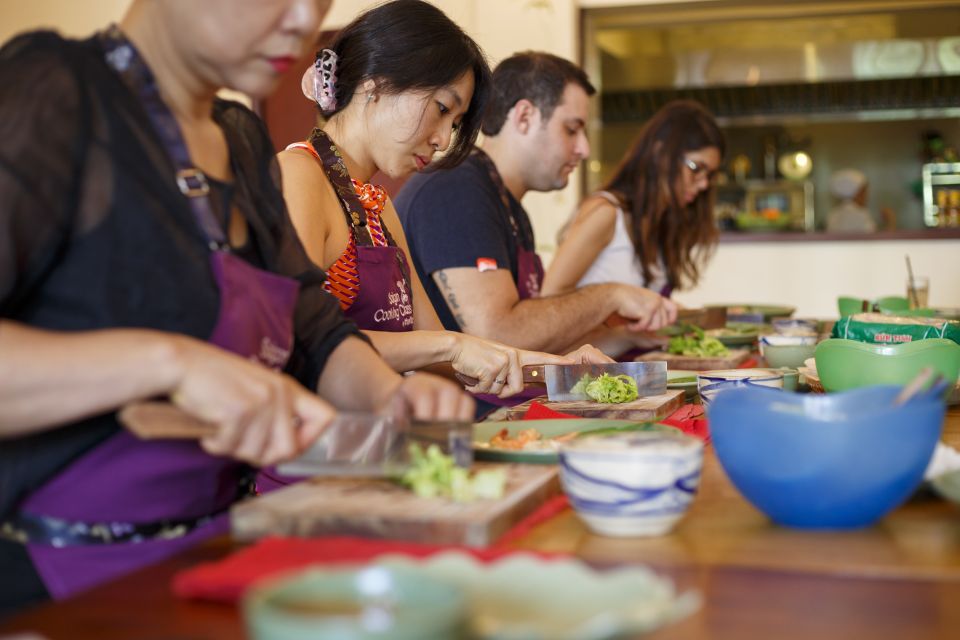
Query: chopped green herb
[(607, 388), (694, 342), (433, 474)]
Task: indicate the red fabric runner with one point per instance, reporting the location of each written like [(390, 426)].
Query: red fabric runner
[(226, 580), (689, 418)]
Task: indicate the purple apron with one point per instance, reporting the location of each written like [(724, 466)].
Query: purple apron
[(126, 480), (384, 300), (529, 275)]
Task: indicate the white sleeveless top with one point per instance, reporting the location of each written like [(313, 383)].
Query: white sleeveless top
[(618, 262)]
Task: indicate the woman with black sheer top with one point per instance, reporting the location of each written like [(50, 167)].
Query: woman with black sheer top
[(145, 251)]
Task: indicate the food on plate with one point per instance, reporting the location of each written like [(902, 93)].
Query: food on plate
[(694, 342), (527, 440), (607, 388), (434, 474)]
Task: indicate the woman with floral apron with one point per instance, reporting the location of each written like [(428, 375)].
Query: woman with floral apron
[(123, 255), (380, 118)]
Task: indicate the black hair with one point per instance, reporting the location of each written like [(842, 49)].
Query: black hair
[(536, 76), (411, 45)]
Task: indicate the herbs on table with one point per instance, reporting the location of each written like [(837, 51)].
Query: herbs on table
[(694, 342)]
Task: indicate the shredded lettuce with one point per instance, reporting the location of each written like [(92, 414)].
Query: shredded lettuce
[(694, 342), (433, 474), (607, 388)]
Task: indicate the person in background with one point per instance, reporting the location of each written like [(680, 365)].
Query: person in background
[(849, 187), (850, 214), (391, 104), (146, 252), (472, 242), (651, 224)]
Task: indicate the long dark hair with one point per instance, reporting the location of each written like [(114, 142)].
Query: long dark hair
[(412, 45), (645, 183)]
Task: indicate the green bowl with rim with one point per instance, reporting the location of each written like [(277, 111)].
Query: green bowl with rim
[(849, 364)]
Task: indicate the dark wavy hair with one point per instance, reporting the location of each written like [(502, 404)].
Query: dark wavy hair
[(660, 225), (536, 76), (411, 45)]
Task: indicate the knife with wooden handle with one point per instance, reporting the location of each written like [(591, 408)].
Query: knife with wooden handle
[(162, 420)]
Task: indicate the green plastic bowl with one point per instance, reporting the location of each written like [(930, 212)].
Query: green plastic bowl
[(848, 364), (368, 603), (847, 305)]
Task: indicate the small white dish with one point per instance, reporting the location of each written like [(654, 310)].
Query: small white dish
[(639, 484), (710, 383)]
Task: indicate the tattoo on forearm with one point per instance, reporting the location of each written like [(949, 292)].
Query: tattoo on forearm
[(451, 299)]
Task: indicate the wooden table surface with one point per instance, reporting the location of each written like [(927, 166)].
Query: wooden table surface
[(898, 579)]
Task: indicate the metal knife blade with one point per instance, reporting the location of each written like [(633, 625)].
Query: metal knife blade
[(560, 379), (353, 444)]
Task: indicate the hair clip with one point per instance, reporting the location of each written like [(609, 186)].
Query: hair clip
[(325, 80)]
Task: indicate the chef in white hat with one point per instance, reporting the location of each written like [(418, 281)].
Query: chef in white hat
[(849, 187)]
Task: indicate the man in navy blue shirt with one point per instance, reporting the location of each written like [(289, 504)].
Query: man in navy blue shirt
[(471, 240)]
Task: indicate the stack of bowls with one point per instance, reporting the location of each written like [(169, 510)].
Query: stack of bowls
[(637, 484), (825, 461), (711, 383), (369, 603), (848, 364)]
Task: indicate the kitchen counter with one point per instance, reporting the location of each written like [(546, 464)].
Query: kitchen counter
[(728, 237), (898, 579), (810, 271)]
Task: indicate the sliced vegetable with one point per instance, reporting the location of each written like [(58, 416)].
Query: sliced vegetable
[(607, 388), (694, 342), (433, 474)]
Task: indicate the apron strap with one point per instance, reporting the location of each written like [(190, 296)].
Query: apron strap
[(124, 58), (497, 180), (336, 170)]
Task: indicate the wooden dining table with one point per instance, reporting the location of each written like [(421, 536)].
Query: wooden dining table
[(897, 579)]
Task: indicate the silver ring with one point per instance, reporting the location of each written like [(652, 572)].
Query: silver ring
[(499, 381)]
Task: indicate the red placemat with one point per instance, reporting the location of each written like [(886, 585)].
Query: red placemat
[(689, 418), (226, 580)]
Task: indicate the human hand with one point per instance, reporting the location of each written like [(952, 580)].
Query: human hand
[(262, 417), (589, 354), (644, 310), (423, 396)]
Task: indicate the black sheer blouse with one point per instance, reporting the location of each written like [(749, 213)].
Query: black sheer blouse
[(94, 232)]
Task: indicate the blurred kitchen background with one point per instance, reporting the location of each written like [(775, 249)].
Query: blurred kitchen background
[(801, 88)]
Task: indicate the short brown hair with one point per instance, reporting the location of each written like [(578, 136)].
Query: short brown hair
[(532, 75)]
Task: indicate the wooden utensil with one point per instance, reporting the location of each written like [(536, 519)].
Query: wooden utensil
[(163, 420)]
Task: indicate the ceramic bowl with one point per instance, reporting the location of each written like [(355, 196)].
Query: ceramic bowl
[(848, 364), (685, 380), (824, 461), (796, 326), (787, 351), (631, 485), (710, 383), (369, 603)]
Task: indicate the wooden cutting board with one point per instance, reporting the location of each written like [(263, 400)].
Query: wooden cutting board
[(647, 409), (379, 508), (732, 360)]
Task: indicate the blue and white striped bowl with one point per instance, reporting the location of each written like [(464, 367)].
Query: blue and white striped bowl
[(710, 383), (637, 484)]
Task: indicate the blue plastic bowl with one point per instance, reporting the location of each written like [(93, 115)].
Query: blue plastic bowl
[(837, 461)]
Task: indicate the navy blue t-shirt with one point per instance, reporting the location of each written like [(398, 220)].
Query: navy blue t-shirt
[(454, 217)]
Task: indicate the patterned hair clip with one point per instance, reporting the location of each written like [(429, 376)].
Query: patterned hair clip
[(325, 80)]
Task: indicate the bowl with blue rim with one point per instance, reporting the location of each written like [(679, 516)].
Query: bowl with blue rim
[(637, 484), (711, 383)]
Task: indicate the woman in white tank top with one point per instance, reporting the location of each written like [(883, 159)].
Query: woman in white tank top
[(652, 223)]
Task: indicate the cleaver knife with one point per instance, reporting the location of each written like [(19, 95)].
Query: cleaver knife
[(560, 379), (353, 444)]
